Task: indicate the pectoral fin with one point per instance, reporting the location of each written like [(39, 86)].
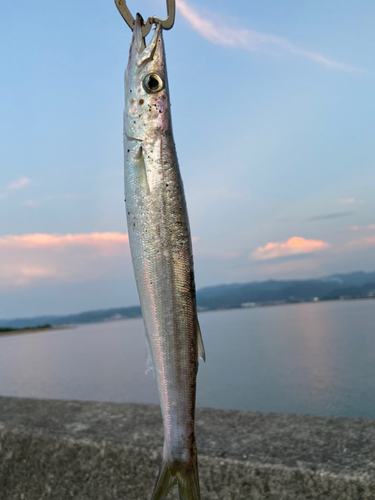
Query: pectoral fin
[(141, 170)]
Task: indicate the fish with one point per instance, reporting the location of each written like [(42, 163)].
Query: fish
[(162, 257)]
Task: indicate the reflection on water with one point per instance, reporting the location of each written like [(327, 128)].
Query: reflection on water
[(310, 358), (102, 362), (315, 347)]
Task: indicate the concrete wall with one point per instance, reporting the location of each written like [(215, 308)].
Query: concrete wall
[(68, 449)]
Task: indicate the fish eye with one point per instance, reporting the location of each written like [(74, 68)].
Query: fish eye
[(153, 83)]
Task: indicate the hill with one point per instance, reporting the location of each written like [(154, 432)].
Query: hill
[(257, 293)]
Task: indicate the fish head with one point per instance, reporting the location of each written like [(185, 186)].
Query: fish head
[(147, 109)]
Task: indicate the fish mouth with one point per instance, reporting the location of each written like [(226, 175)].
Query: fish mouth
[(137, 32), (138, 43), (139, 51)]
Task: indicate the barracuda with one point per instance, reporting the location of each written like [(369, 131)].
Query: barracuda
[(161, 251)]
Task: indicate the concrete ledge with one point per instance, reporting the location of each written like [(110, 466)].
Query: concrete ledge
[(69, 449)]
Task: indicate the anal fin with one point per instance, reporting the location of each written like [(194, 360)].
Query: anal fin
[(149, 362), (201, 351)]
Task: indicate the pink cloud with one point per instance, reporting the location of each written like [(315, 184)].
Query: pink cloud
[(362, 242), (370, 227), (293, 246), (219, 33), (107, 242), (33, 258), (289, 268), (24, 272)]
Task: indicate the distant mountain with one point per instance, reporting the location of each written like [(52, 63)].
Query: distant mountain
[(262, 293), (257, 293), (289, 291), (359, 278), (352, 292), (75, 319)]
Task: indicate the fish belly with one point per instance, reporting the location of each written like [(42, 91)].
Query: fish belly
[(160, 245)]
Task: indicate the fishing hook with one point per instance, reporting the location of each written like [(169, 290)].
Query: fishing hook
[(166, 24)]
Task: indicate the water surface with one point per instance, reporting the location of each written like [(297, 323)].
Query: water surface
[(314, 358)]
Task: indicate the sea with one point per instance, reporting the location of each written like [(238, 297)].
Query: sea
[(311, 358)]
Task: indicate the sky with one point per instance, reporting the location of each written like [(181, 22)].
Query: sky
[(274, 120)]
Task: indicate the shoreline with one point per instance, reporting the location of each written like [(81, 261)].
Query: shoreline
[(259, 305), (28, 331)]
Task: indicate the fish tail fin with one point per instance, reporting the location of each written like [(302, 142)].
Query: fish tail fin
[(164, 482), (188, 484), (182, 473)]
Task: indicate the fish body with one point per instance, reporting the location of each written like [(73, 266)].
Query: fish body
[(161, 250)]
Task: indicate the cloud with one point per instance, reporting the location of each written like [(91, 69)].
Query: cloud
[(346, 201), (362, 242), (14, 186), (30, 203), (40, 258), (336, 215), (370, 227), (288, 268), (23, 274), (98, 240), (220, 33), (18, 184), (293, 246), (230, 255)]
